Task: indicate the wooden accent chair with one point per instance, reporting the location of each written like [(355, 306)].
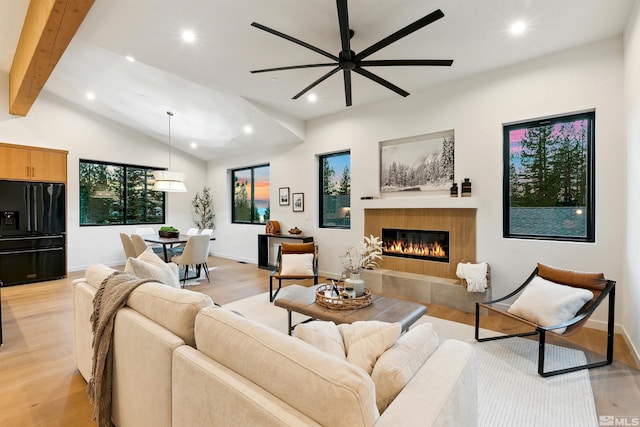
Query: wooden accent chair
[(594, 282), (294, 268)]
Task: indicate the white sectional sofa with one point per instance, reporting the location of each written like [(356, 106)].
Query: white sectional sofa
[(181, 361)]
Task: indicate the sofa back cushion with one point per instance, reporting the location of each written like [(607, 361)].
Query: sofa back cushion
[(174, 309), (330, 391)]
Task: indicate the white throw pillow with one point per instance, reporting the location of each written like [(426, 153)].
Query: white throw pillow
[(396, 366), (296, 265), (160, 272), (322, 335), (548, 303), (365, 341)]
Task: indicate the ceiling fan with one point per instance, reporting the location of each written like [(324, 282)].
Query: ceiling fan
[(348, 61)]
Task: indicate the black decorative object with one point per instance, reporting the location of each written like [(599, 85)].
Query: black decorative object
[(347, 60), (466, 188), (454, 190)]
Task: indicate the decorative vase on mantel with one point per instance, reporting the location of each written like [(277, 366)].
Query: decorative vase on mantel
[(354, 281)]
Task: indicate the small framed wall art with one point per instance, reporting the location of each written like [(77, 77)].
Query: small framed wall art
[(298, 202), (283, 196)]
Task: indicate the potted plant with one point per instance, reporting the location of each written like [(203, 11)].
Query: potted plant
[(363, 256), (169, 231), (203, 209)]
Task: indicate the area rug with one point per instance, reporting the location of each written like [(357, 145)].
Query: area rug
[(510, 392)]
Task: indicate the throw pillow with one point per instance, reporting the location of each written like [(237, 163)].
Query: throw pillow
[(396, 366), (365, 341), (323, 335), (296, 265), (149, 270), (548, 303)]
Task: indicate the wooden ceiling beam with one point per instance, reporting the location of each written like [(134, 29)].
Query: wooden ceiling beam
[(48, 29)]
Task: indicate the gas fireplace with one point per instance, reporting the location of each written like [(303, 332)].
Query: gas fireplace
[(416, 244)]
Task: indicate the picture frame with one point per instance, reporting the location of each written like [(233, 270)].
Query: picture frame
[(283, 196), (418, 164), (298, 202)]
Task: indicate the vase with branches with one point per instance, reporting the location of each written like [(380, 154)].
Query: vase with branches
[(202, 203)]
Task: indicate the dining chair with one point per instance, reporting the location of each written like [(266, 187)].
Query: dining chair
[(140, 246), (208, 231), (195, 254), (127, 245), (178, 249)]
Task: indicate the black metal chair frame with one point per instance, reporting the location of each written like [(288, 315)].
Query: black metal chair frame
[(609, 290), (274, 274)]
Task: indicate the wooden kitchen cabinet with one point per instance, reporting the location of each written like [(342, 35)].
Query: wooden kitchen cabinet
[(24, 163)]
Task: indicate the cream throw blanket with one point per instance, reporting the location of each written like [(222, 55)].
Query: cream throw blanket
[(474, 274), (110, 297)]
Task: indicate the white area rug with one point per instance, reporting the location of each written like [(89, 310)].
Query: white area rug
[(510, 392)]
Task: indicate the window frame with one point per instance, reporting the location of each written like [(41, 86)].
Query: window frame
[(124, 184), (321, 218), (590, 177), (252, 201)]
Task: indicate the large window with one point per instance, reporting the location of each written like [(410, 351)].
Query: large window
[(116, 194), (250, 193), (549, 179), (335, 190)]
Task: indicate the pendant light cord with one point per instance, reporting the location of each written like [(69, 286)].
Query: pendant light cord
[(170, 114)]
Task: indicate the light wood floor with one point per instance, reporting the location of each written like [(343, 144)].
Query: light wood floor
[(39, 385)]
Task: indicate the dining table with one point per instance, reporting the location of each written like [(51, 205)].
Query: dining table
[(168, 242)]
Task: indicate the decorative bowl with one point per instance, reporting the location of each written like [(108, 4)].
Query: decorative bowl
[(172, 234), (295, 230)]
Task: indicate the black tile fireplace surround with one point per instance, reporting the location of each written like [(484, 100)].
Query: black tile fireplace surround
[(416, 244)]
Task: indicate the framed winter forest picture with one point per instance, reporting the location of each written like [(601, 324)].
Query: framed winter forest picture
[(419, 163)]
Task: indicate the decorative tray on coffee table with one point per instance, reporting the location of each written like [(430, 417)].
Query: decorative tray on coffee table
[(326, 297)]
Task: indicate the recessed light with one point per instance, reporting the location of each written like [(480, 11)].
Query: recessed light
[(130, 58), (312, 97), (91, 95), (274, 79), (188, 36), (248, 129), (518, 27), (193, 145)]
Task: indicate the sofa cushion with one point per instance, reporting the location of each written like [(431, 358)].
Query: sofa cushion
[(397, 366), (280, 364), (548, 303), (322, 335), (149, 266), (362, 342), (174, 309), (96, 273)]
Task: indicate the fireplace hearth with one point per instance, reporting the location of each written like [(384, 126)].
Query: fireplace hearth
[(416, 244)]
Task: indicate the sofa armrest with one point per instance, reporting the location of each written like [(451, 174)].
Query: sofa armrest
[(442, 393)]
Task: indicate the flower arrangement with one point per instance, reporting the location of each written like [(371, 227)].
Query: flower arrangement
[(363, 256)]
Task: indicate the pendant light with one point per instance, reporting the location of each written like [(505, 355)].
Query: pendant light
[(169, 181)]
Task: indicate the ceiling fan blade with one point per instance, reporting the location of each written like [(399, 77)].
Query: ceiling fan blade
[(400, 62), (294, 40), (347, 87), (422, 22), (343, 21), (317, 82), (293, 67), (381, 81)]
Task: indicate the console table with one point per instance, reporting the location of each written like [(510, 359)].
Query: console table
[(264, 246)]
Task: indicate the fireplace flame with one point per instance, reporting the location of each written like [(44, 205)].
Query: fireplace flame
[(434, 250)]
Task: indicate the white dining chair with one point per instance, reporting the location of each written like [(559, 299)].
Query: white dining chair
[(195, 253)]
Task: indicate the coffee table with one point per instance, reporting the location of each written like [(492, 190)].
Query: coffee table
[(302, 299)]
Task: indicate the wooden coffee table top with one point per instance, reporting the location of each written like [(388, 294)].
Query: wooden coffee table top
[(302, 299)]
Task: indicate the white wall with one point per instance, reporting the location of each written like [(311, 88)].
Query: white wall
[(54, 123), (588, 77), (631, 277)]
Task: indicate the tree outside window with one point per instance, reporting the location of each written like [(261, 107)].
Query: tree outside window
[(116, 194), (335, 190), (549, 179), (251, 195)]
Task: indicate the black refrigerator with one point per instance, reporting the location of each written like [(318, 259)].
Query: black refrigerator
[(32, 232)]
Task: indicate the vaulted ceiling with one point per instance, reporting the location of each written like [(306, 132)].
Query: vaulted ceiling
[(207, 83)]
